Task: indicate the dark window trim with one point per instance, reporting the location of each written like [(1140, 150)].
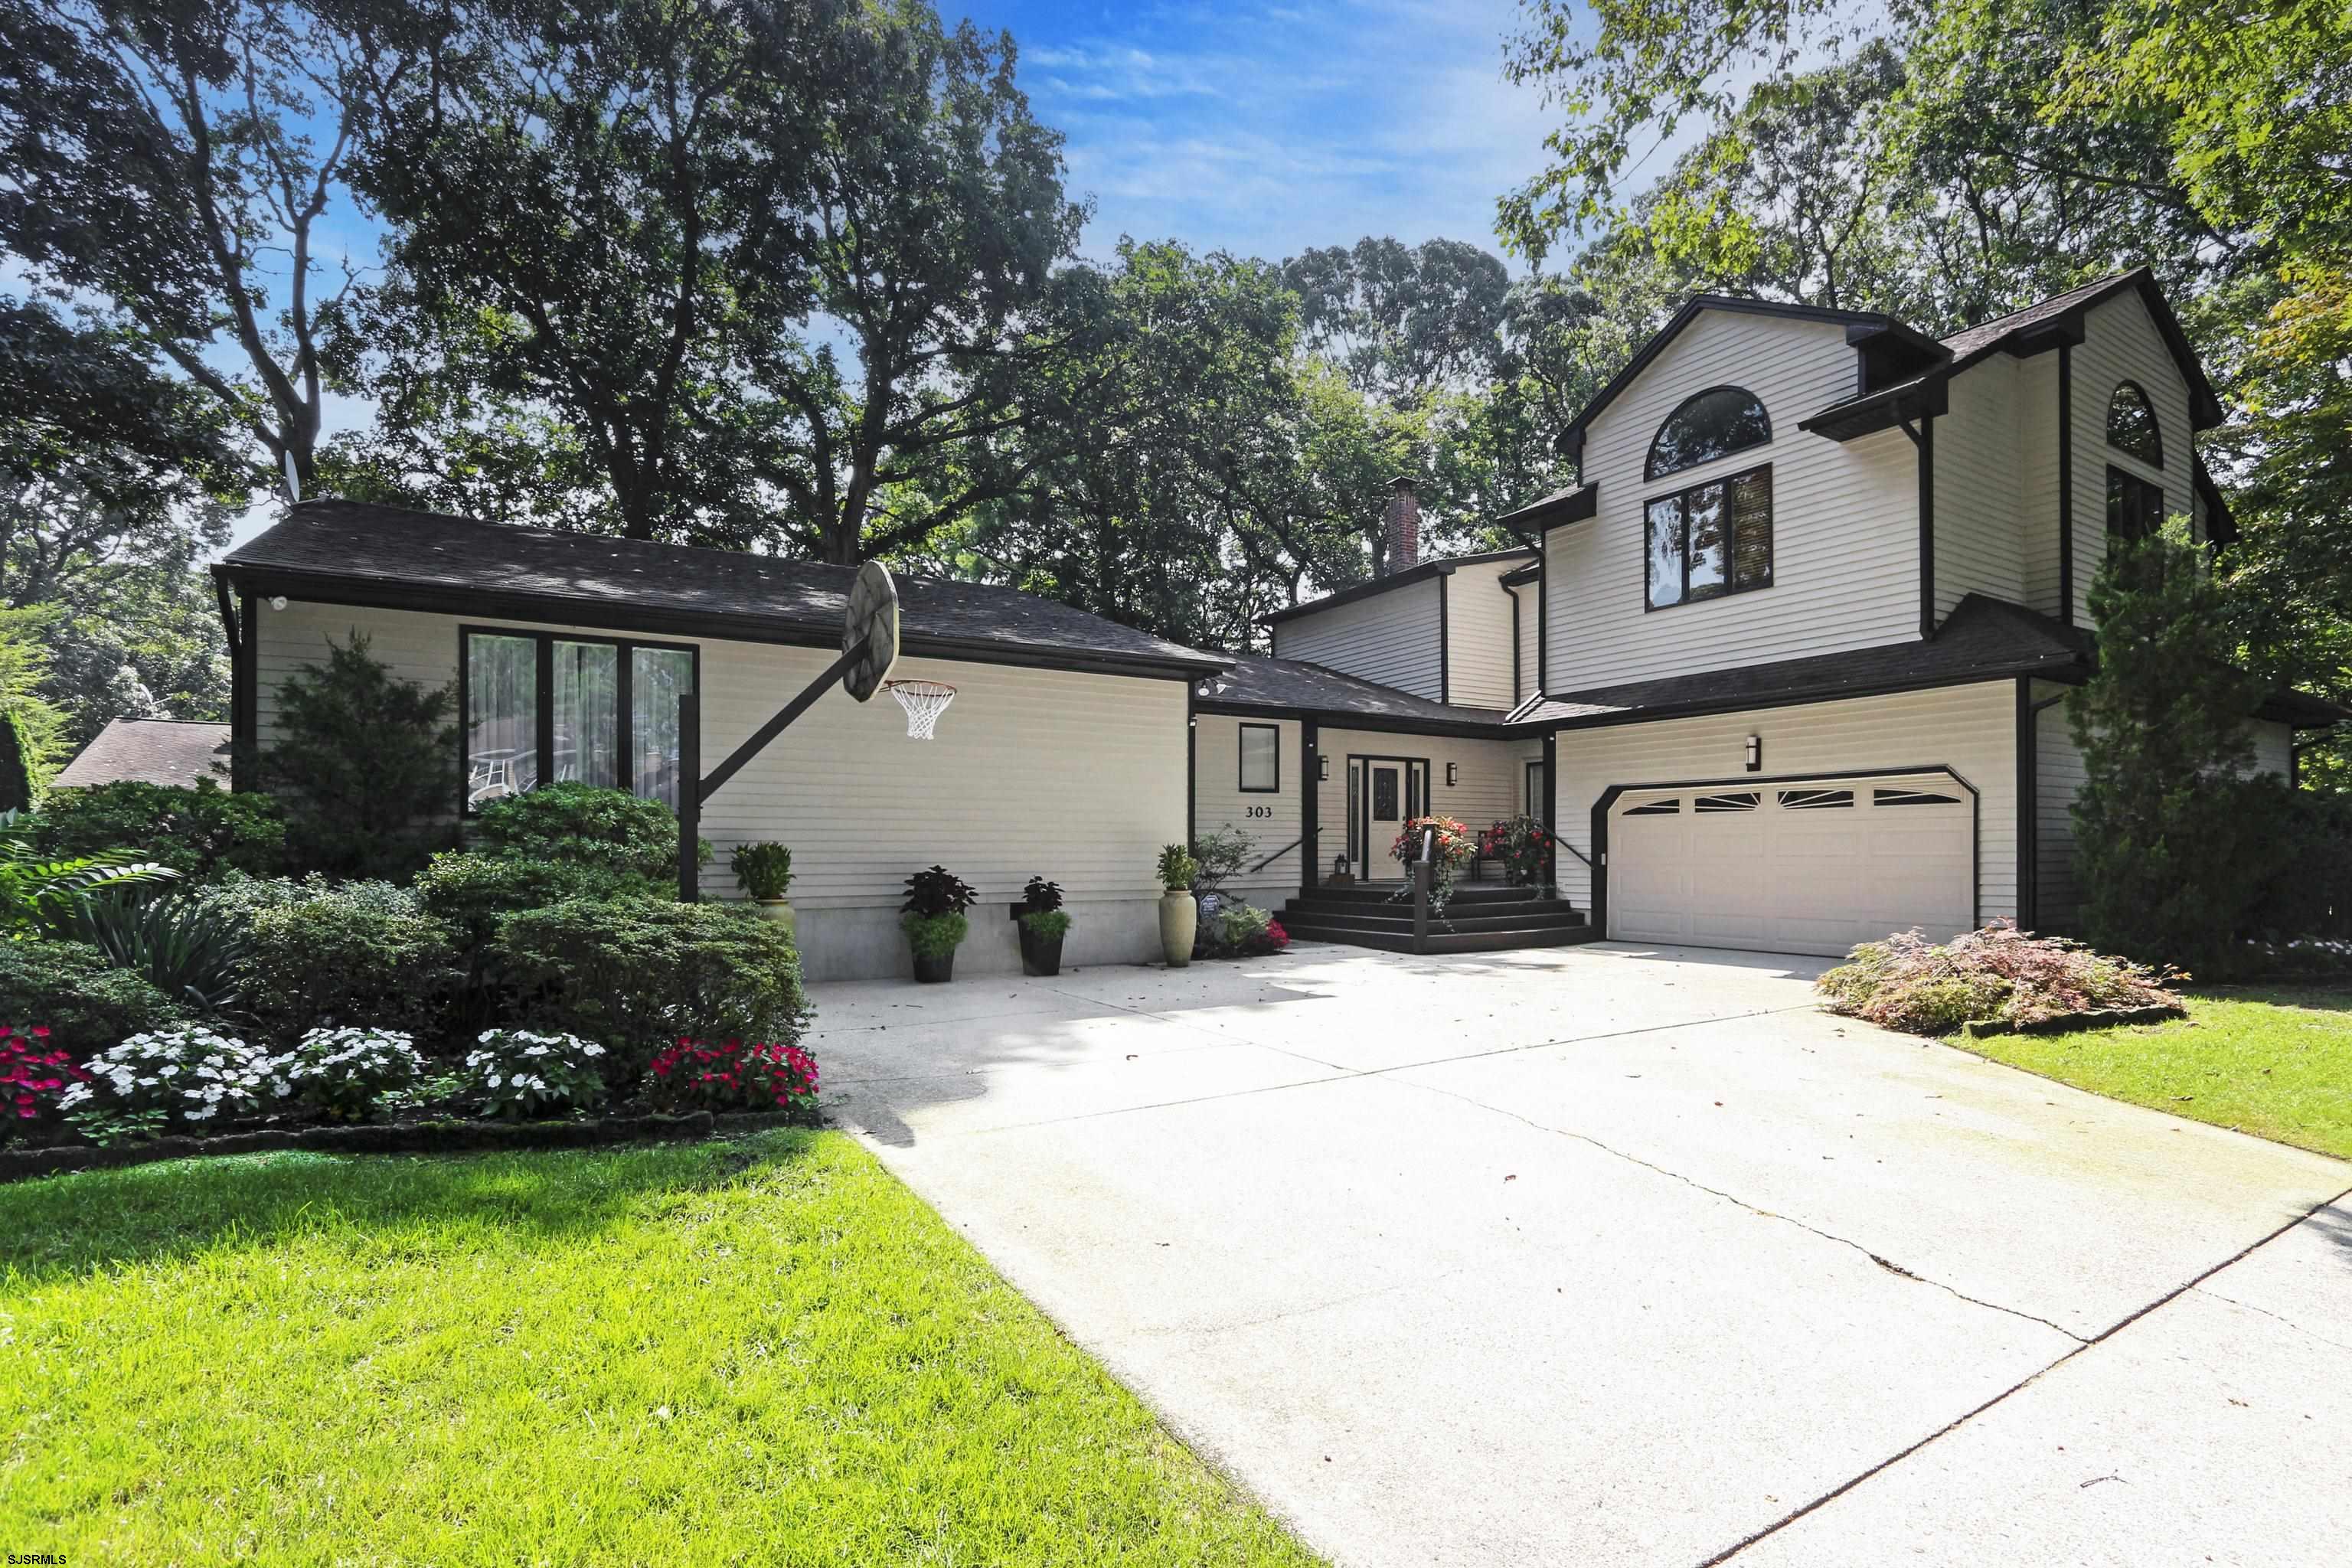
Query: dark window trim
[(1731, 588), (1650, 472), (1534, 799), (1609, 797), (543, 742), (1364, 803), (2155, 425), (1241, 779)]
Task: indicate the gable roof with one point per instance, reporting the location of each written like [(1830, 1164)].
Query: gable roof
[(2044, 324), (1422, 572), (354, 552), (1293, 688), (1861, 326), (149, 750)]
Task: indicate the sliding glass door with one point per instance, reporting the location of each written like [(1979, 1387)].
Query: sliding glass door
[(592, 710)]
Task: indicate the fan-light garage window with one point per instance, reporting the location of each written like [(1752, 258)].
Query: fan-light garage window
[(1656, 808), (1710, 425), (1816, 799), (1710, 540), (1744, 800), (1911, 797), (1261, 759), (2131, 424)]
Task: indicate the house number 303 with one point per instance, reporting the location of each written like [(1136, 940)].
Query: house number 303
[(1261, 811)]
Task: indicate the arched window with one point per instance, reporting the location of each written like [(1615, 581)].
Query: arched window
[(1714, 424), (2131, 424)]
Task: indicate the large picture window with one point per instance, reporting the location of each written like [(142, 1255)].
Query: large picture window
[(1710, 425), (2135, 506), (542, 707), (1261, 759), (1710, 540)]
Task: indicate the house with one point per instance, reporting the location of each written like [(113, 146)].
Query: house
[(1782, 672), (1061, 755), (149, 751), (1790, 658)]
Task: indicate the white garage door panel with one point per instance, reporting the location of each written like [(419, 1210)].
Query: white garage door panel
[(1784, 877)]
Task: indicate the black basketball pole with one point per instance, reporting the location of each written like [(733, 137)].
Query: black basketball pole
[(693, 789)]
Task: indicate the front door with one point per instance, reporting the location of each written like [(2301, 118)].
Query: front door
[(1393, 790)]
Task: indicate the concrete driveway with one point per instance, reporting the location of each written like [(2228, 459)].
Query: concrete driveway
[(1609, 1254)]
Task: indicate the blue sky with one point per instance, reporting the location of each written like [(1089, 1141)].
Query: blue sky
[(1267, 128)]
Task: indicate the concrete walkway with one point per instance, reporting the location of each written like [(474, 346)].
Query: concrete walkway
[(1619, 1256)]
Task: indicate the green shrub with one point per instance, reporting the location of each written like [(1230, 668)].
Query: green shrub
[(638, 973), (364, 766), (468, 892), (202, 833), (581, 825), (1046, 923), (934, 936), (1932, 988), (85, 1002), (765, 870), (347, 956), (245, 898), (187, 949), (1177, 868)]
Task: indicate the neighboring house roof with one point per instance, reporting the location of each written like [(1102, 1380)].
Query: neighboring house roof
[(149, 750), (1421, 573), (1983, 639), (2042, 324), (353, 553), (1861, 325), (1292, 687)]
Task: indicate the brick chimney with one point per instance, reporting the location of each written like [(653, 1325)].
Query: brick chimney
[(1401, 525)]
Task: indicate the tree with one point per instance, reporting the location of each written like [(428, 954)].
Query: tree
[(139, 642), (177, 162), (1401, 322), (364, 764), (633, 245), (2176, 841)]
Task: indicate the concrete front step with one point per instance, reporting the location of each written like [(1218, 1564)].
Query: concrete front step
[(1399, 916), (1447, 941)]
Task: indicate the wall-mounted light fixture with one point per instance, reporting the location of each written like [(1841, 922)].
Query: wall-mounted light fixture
[(1453, 774), (277, 601), (1755, 753), (1322, 769)]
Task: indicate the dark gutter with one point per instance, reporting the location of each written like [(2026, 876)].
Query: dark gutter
[(1421, 572), (1387, 725), (1538, 518), (2064, 668), (605, 614)]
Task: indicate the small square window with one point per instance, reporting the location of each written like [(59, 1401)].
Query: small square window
[(1261, 759)]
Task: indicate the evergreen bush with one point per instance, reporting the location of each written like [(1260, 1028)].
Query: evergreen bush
[(364, 766)]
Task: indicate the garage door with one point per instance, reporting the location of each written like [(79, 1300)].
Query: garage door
[(1793, 867)]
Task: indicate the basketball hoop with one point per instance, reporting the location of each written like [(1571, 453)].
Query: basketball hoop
[(924, 701)]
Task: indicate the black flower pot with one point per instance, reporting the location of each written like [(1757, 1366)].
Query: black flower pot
[(932, 970), (1040, 955)]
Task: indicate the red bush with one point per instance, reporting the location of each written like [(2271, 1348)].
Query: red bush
[(32, 1075), (730, 1075)]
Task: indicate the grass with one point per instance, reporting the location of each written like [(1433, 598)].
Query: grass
[(763, 1353), (2276, 1061)]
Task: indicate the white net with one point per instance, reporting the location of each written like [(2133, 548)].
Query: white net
[(924, 701)]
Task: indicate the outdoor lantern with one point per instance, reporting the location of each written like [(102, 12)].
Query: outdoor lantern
[(1755, 753), (1453, 774), (1322, 769), (1338, 867)]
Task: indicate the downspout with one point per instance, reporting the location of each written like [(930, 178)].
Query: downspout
[(1444, 640), (1512, 590), (2029, 800), (1923, 436), (2066, 482)]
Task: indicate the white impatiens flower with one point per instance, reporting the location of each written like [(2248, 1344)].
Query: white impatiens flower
[(345, 1072), (528, 1072), (198, 1074)]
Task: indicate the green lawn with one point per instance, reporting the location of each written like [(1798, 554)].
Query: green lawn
[(2276, 1061), (759, 1352)]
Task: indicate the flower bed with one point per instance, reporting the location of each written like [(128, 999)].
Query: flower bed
[(1997, 976)]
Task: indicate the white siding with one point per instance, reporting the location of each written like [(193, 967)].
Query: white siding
[(1078, 777), (1970, 729), (2273, 747), (1478, 634), (2120, 344), (1491, 772), (1218, 801), (2036, 389), (1979, 539), (1845, 519), (1390, 638)]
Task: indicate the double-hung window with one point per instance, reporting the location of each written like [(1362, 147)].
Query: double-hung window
[(1709, 540), (542, 707), (1261, 761)]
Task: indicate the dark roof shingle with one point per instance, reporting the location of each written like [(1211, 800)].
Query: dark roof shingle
[(600, 581), (149, 751), (1291, 685)]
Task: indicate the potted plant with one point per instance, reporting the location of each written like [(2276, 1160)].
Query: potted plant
[(933, 918), (765, 871), (1044, 922), (1179, 916)]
